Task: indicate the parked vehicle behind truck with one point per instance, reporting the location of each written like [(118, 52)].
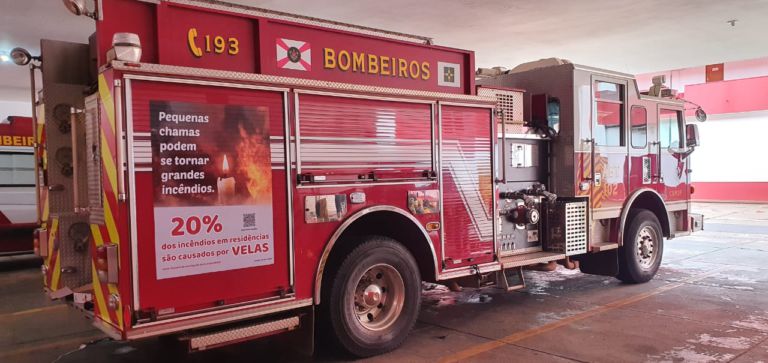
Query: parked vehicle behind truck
[(18, 216)]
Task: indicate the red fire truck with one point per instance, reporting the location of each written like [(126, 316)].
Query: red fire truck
[(17, 185), (238, 172)]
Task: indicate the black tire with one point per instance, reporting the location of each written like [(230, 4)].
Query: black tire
[(640, 256), (375, 263)]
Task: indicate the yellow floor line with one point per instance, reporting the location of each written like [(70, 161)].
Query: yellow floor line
[(32, 311), (71, 343), (482, 348)]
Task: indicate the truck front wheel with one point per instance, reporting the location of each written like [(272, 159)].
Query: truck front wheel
[(374, 298), (640, 256)]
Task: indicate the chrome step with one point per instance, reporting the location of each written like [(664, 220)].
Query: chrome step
[(240, 334), (511, 279), (605, 246), (529, 259)]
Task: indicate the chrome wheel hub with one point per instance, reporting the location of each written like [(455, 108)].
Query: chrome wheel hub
[(372, 295), (646, 243), (379, 296)]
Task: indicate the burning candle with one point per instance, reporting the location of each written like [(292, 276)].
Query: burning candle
[(226, 185)]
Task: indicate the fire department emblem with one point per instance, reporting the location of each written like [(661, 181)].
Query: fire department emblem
[(294, 54), (448, 74)]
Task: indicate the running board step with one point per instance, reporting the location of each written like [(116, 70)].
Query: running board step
[(599, 247), (512, 279), (220, 338), (533, 258)]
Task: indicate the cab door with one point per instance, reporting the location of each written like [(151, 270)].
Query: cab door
[(610, 146), (671, 167)]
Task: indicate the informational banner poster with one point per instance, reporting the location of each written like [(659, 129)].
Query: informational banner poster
[(212, 188)]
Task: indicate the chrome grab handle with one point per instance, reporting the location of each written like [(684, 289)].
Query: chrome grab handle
[(503, 159), (120, 139), (657, 174), (591, 143), (75, 163)]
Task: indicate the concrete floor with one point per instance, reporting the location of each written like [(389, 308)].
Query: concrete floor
[(709, 302)]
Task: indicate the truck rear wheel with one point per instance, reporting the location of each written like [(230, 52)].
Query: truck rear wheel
[(640, 256), (374, 298)]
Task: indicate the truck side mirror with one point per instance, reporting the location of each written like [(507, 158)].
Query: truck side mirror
[(545, 114), (701, 116), (691, 135)]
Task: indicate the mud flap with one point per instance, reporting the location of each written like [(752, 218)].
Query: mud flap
[(306, 333), (604, 263)]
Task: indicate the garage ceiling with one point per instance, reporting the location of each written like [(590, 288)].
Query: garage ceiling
[(624, 35)]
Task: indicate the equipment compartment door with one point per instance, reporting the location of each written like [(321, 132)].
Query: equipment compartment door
[(208, 194), (467, 185)]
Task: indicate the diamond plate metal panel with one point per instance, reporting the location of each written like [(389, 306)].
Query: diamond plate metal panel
[(201, 342), (75, 256), (93, 159)]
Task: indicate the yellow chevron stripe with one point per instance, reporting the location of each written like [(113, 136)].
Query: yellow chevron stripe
[(109, 164), (99, 241), (56, 272), (96, 232), (110, 222), (111, 169), (40, 129), (46, 210), (102, 305), (119, 312), (106, 100), (51, 234)]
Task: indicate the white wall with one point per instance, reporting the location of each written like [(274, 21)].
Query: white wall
[(14, 108), (733, 149)]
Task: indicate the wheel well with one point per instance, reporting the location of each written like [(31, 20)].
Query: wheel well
[(651, 202), (388, 224)]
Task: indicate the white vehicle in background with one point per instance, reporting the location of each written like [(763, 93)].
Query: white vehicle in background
[(18, 214)]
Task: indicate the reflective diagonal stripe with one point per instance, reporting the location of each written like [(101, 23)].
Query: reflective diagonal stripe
[(98, 295), (54, 265), (106, 99), (109, 220), (108, 163), (108, 231)]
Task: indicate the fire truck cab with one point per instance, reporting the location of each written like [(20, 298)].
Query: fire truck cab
[(591, 136), (238, 172)]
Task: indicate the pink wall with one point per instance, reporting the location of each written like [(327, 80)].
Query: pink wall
[(728, 165), (679, 78)]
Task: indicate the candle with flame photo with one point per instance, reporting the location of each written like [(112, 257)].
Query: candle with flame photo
[(226, 184)]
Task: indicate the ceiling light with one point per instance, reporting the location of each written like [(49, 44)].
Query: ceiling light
[(20, 56), (78, 8), (4, 58), (125, 47)]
